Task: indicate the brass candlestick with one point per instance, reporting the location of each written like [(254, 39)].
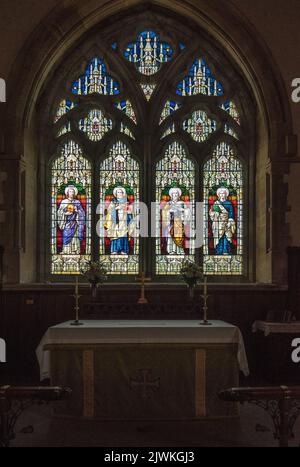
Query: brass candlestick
[(205, 296), (76, 308), (143, 300)]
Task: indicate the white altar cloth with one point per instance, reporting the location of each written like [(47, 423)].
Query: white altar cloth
[(140, 332)]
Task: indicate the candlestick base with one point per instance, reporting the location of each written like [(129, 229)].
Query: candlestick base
[(77, 323), (205, 323), (142, 301)]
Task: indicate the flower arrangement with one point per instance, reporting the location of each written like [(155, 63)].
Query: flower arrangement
[(191, 273), (94, 272)]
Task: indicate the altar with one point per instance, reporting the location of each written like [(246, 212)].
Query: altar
[(144, 370)]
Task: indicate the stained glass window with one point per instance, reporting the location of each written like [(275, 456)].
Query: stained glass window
[(132, 100), (223, 213), (200, 126), (71, 211), (175, 198), (229, 131), (64, 130), (119, 211), (127, 108), (169, 131), (64, 107), (148, 90), (199, 81), (96, 80), (95, 125), (231, 109), (148, 53), (169, 108), (124, 129)]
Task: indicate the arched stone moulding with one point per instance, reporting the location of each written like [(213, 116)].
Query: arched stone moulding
[(59, 32)]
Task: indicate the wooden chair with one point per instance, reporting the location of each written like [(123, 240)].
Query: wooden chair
[(14, 400), (281, 402)]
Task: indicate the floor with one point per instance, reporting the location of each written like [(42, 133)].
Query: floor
[(37, 428)]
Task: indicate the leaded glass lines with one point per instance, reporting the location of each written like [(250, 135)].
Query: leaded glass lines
[(63, 108), (199, 81), (126, 107), (142, 105), (71, 211), (148, 53), (223, 213), (199, 126), (96, 80), (169, 108), (118, 225), (231, 109), (95, 125), (175, 210), (148, 90)]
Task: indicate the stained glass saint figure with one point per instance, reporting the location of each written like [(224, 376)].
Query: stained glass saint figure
[(223, 223), (119, 222), (175, 216), (71, 221)]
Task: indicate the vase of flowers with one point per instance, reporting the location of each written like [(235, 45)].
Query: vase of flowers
[(95, 273), (192, 274)]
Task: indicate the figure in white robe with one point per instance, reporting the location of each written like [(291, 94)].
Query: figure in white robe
[(119, 222), (176, 215)]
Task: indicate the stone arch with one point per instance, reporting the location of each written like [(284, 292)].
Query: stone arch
[(46, 47)]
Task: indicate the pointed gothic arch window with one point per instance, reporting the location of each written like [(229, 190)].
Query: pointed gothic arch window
[(151, 117), (223, 212), (70, 210), (119, 198), (175, 216)]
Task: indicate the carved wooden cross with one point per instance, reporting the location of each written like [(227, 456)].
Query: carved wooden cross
[(143, 300)]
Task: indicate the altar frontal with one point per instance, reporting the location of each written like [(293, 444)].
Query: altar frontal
[(144, 370)]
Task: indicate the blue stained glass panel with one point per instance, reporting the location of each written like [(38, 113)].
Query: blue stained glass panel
[(199, 81), (96, 80), (148, 53)]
